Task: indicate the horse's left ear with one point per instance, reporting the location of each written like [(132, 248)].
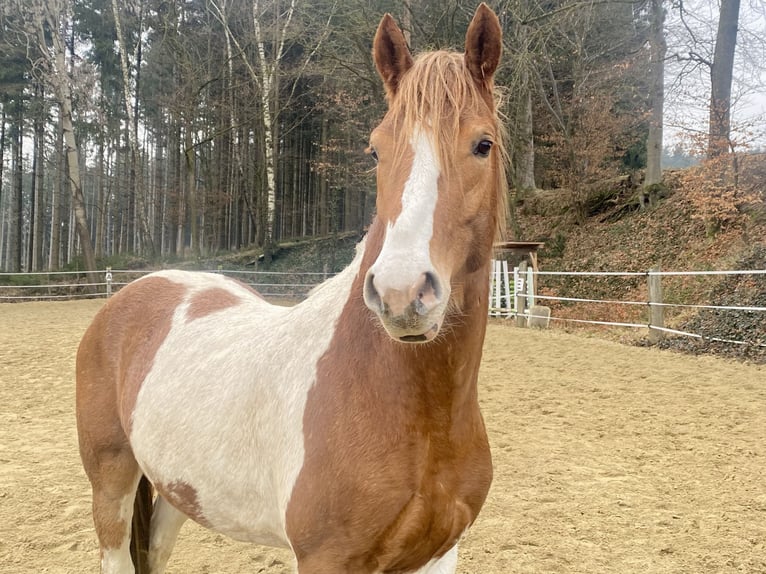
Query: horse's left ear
[(483, 45)]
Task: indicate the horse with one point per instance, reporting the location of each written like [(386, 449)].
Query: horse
[(345, 428)]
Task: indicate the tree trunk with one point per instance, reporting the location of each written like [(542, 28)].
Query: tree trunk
[(48, 25), (38, 194), (721, 77), (191, 192), (323, 207), (2, 166), (58, 189), (657, 49), (75, 187), (135, 191), (525, 164), (17, 212), (61, 86)]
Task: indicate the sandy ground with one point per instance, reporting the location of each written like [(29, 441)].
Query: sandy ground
[(608, 459)]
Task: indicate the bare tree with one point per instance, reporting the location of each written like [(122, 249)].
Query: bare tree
[(657, 48), (715, 63), (136, 181), (266, 79), (721, 72), (269, 56), (49, 21)]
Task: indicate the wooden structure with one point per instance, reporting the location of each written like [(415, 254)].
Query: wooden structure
[(518, 255), (521, 250)]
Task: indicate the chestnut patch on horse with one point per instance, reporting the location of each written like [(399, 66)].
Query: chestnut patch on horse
[(184, 497), (118, 347), (115, 528), (209, 301)]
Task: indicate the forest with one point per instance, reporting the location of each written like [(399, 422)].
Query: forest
[(165, 130)]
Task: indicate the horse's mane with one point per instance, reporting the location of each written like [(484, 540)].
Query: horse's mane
[(436, 86)]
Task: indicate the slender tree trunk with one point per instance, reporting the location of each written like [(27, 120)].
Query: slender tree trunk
[(268, 146), (721, 77), (39, 182), (17, 213), (657, 49), (58, 189), (237, 173), (33, 206), (179, 212), (48, 24), (191, 193), (135, 180), (160, 192), (2, 180), (75, 186), (525, 164), (2, 169), (323, 213), (100, 213)]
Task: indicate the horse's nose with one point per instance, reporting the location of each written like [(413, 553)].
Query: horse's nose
[(420, 297)]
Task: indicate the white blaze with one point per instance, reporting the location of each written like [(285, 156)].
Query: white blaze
[(406, 252)]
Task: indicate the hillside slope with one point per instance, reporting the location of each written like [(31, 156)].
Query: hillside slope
[(678, 233)]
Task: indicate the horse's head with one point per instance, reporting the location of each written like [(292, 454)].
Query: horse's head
[(440, 177)]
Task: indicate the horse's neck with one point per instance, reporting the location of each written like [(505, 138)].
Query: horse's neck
[(451, 361), (455, 353)]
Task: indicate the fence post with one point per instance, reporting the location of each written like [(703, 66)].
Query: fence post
[(521, 297), (656, 312), (506, 289), (108, 282)]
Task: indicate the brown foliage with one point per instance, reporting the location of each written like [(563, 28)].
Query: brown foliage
[(716, 192)]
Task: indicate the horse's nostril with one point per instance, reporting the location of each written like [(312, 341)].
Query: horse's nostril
[(431, 289), (433, 285), (371, 296)]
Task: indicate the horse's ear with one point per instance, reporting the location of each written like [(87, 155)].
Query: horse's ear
[(391, 54), (483, 44)]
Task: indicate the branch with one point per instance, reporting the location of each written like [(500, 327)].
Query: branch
[(311, 55)]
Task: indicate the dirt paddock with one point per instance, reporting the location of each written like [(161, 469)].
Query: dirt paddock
[(608, 458)]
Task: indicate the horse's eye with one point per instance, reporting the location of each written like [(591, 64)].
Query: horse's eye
[(373, 153), (482, 148)]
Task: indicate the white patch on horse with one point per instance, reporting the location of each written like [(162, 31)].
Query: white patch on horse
[(236, 382), (447, 564), (406, 251), (166, 524)]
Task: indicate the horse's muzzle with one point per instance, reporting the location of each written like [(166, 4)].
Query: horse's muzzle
[(413, 314)]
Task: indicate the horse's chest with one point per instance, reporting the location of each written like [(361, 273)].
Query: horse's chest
[(430, 524), (394, 519)]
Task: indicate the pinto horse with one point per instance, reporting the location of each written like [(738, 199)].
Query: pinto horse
[(346, 428)]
